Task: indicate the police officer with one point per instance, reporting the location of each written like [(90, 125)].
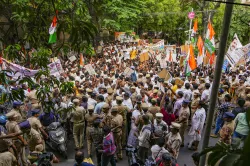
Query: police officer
[(20, 143), (123, 110), (154, 109), (17, 110), (35, 141), (36, 124), (107, 118), (78, 119), (173, 140), (116, 127), (109, 98), (90, 117)]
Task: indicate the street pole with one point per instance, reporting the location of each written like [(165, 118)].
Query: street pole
[(190, 31), (217, 75)]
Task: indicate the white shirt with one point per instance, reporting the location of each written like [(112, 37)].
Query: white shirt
[(136, 114), (92, 101), (128, 103), (205, 95), (157, 151)]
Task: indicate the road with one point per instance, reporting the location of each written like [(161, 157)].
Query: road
[(184, 155)]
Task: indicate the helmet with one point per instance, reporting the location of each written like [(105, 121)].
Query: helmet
[(3, 120)]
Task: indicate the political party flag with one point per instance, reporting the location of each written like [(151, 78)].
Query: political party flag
[(52, 31), (191, 62), (200, 45), (81, 60), (194, 31), (170, 57), (209, 41)]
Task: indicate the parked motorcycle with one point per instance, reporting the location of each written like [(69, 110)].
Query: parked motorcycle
[(57, 138)]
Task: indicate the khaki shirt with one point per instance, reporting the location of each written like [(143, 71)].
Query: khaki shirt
[(90, 119), (19, 118), (195, 103), (12, 127), (117, 121), (34, 139), (153, 110), (133, 97), (109, 99), (107, 119), (78, 115), (184, 115), (226, 132), (35, 123), (173, 143), (123, 110), (7, 159), (5, 143)]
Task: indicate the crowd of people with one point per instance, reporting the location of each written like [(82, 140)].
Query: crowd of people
[(114, 111)]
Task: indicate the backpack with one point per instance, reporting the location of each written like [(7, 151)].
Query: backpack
[(133, 77)]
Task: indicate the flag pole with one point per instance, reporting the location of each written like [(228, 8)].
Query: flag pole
[(190, 31)]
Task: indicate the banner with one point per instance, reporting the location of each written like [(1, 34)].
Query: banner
[(128, 71), (158, 45), (55, 69), (121, 36), (231, 55), (90, 69)]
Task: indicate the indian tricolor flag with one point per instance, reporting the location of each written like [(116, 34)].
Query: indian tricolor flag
[(52, 31), (210, 43)]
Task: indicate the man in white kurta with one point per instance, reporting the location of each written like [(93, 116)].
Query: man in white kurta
[(198, 121)]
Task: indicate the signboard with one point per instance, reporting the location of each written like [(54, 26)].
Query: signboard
[(90, 69), (122, 36), (191, 15), (72, 58), (231, 52), (127, 72)]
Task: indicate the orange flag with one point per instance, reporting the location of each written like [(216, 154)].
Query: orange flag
[(170, 57), (211, 30), (195, 28), (191, 60), (81, 60), (200, 45)]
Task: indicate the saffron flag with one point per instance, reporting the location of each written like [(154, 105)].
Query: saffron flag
[(191, 62), (81, 60), (200, 45), (52, 31)]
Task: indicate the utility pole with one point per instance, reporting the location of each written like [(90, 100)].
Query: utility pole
[(217, 75)]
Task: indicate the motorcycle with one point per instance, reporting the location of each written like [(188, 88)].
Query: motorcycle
[(57, 138)]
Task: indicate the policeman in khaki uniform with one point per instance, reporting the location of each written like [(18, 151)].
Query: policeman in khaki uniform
[(90, 117), (116, 128), (109, 98), (134, 94), (20, 143), (17, 110), (78, 119), (35, 141), (183, 119), (195, 103), (36, 124), (154, 109), (139, 121), (107, 118), (173, 140), (123, 110)]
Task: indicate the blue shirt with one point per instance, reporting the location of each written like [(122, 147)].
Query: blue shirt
[(98, 108)]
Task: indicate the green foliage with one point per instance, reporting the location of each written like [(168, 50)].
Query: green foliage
[(41, 58), (12, 52), (66, 88)]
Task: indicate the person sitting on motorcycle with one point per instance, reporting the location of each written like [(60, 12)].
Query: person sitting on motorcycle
[(48, 117)]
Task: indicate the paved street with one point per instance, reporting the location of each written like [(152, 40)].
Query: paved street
[(184, 156)]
